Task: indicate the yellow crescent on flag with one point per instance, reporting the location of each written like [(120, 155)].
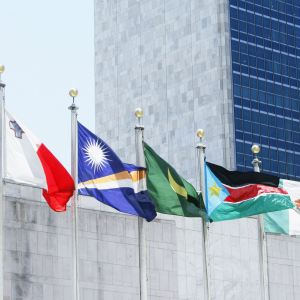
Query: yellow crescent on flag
[(176, 187)]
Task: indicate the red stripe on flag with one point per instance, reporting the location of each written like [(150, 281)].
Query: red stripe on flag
[(59, 181), (250, 192)]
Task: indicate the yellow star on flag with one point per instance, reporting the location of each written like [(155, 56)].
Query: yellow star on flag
[(215, 190)]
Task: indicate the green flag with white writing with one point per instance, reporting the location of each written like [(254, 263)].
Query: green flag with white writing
[(170, 193)]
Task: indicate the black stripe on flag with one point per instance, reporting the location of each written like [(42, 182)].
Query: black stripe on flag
[(236, 178)]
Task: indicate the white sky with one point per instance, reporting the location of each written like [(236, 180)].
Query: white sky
[(47, 48)]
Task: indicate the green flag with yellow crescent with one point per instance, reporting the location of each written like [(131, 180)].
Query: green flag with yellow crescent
[(170, 193)]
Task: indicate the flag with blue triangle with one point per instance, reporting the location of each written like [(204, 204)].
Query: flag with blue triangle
[(216, 192)]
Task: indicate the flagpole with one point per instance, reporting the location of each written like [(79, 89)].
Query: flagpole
[(74, 133), (142, 224), (205, 225), (2, 196), (262, 245)]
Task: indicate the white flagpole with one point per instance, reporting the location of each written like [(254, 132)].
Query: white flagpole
[(2, 196), (205, 225), (140, 160), (74, 154), (262, 245)]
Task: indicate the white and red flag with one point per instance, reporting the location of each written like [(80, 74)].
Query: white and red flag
[(29, 161)]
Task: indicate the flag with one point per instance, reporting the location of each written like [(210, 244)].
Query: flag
[(286, 221), (249, 193), (170, 193), (102, 175), (29, 161)]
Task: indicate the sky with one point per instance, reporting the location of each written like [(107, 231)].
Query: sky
[(47, 47)]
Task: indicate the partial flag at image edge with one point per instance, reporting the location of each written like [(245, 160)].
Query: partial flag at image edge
[(286, 221)]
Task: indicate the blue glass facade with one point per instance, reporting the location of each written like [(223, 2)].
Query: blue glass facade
[(265, 44)]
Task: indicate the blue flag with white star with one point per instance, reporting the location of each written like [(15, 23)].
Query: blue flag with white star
[(102, 175), (216, 192)]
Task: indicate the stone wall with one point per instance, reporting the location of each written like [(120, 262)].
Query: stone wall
[(38, 255), (38, 252), (283, 266)]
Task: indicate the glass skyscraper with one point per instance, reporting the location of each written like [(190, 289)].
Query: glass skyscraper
[(265, 44)]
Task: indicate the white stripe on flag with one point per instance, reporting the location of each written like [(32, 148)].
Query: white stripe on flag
[(124, 183), (138, 186)]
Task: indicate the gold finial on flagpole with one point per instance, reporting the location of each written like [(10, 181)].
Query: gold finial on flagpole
[(255, 149), (200, 133), (2, 68), (139, 112), (73, 92)]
